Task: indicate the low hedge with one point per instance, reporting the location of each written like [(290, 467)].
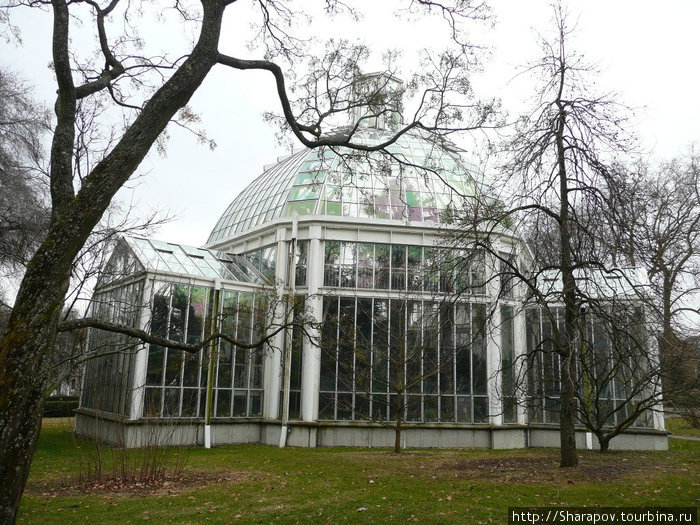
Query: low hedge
[(60, 406)]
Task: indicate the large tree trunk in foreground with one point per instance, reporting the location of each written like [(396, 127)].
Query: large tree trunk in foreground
[(27, 343), (25, 353), (567, 350)]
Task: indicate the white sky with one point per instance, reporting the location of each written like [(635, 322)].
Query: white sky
[(648, 52)]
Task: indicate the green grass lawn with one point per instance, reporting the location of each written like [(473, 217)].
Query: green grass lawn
[(261, 484), (676, 425)]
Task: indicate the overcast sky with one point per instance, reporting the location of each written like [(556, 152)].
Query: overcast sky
[(647, 51)]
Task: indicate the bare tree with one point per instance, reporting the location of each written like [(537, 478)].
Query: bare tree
[(23, 208), (153, 91), (551, 189), (652, 221), (648, 218), (656, 224)]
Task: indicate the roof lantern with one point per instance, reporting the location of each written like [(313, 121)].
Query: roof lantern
[(377, 101)]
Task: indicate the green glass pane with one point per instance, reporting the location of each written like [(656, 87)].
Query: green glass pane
[(413, 198), (310, 177), (304, 177), (301, 208), (299, 193), (333, 208), (414, 255)]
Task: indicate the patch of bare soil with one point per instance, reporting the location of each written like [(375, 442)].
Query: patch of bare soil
[(133, 487), (546, 469)]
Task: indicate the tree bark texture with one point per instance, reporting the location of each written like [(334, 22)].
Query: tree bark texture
[(567, 396)]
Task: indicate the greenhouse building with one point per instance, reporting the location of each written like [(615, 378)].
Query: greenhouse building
[(345, 311)]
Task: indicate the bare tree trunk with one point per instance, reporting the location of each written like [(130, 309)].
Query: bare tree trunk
[(25, 352), (397, 427), (397, 435), (567, 396)]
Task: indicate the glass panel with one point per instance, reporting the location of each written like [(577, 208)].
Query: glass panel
[(190, 402), (171, 402), (326, 406), (382, 260), (197, 309), (333, 208), (479, 348), (398, 267), (481, 409), (329, 341), (161, 305), (348, 261), (191, 369), (413, 199), (464, 409), (301, 256), (225, 372), (173, 367), (301, 208), (346, 343), (380, 346), (240, 403), (363, 347), (332, 269), (300, 193), (507, 364), (255, 404), (223, 403), (430, 410), (152, 406), (154, 372), (365, 262)]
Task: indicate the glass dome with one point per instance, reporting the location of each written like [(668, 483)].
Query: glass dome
[(414, 180)]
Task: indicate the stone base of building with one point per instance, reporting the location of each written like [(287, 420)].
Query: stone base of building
[(181, 432)]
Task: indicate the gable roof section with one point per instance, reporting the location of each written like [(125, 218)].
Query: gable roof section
[(136, 254)]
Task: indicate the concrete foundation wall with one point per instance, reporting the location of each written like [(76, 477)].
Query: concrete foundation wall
[(636, 440), (134, 434), (139, 434)]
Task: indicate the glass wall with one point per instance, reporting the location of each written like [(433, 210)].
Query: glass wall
[(508, 363), (403, 268), (108, 378), (297, 345), (425, 358), (238, 388), (176, 380), (611, 365), (544, 366)]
